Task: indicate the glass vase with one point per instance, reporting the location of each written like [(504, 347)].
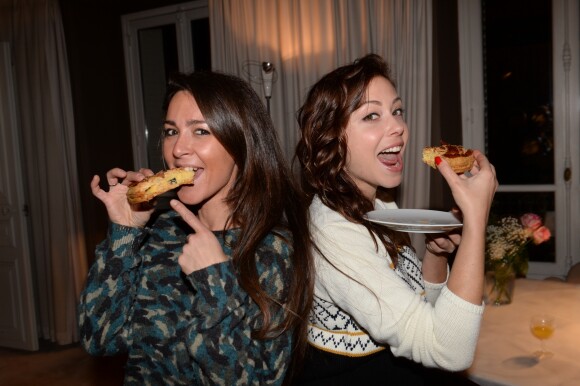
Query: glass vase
[(499, 286)]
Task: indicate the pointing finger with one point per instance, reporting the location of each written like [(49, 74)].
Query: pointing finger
[(190, 218)]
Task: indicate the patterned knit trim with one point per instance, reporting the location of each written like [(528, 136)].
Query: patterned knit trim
[(349, 333), (351, 344), (409, 269), (345, 354)]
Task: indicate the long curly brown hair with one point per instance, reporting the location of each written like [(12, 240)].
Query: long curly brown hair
[(322, 148)]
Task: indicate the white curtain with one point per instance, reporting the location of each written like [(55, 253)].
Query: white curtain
[(48, 140), (305, 39)]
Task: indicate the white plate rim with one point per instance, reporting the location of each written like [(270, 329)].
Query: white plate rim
[(422, 220)]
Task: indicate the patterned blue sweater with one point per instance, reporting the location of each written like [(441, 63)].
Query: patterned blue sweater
[(182, 329)]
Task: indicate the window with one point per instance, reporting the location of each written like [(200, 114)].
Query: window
[(519, 85)]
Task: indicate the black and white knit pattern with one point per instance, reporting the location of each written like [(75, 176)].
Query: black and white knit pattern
[(409, 269), (333, 330)]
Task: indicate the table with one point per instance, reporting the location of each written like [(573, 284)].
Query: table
[(505, 346)]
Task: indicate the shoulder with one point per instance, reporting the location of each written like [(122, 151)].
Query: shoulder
[(321, 216), (324, 219), (274, 248), (331, 230)]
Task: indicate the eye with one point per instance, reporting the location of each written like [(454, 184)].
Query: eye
[(399, 112), (371, 117), (200, 131), (169, 132)]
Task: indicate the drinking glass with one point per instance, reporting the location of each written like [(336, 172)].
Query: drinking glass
[(542, 327)]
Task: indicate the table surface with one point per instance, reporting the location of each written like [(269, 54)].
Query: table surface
[(505, 346)]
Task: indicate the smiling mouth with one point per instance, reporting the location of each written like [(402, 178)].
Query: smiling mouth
[(392, 150), (391, 156)]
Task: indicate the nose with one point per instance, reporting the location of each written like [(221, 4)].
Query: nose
[(183, 146), (396, 126)]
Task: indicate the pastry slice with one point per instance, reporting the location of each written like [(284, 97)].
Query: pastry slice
[(459, 158), (162, 182)]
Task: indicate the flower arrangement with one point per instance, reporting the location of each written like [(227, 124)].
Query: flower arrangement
[(507, 240), (506, 253)]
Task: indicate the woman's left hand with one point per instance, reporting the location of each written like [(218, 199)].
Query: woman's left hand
[(203, 248), (443, 243), (439, 246)]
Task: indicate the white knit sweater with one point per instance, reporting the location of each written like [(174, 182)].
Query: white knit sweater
[(362, 304)]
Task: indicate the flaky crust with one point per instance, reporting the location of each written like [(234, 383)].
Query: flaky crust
[(151, 187), (459, 158)]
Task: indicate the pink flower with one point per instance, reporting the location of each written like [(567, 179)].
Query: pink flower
[(541, 234), (532, 221)]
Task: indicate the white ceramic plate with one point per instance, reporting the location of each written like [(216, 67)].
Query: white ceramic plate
[(415, 220)]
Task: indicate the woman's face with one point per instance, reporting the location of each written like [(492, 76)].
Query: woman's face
[(189, 142), (376, 138)]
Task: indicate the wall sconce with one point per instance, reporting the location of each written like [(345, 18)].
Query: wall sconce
[(267, 76)]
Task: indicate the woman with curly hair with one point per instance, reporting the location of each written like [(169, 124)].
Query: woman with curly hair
[(381, 315)]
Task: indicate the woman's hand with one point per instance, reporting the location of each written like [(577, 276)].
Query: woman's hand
[(442, 244), (115, 199), (473, 194), (203, 248), (438, 248)]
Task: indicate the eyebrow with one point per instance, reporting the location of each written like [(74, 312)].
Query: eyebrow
[(188, 123), (378, 103)]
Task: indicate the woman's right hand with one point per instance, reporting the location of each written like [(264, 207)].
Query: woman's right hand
[(472, 194), (115, 199)]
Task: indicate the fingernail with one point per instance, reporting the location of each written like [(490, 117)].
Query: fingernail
[(437, 160)]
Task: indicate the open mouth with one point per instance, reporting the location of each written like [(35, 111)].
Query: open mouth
[(391, 156)]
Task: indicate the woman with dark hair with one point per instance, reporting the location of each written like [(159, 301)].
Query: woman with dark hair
[(381, 315), (217, 289)]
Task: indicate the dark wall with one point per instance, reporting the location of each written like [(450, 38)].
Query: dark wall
[(103, 133)]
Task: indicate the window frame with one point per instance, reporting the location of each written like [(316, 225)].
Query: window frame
[(566, 69)]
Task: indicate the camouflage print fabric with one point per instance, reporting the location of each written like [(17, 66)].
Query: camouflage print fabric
[(178, 329)]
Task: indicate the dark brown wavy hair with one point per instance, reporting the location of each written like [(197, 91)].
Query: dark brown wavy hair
[(322, 149), (264, 196)]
